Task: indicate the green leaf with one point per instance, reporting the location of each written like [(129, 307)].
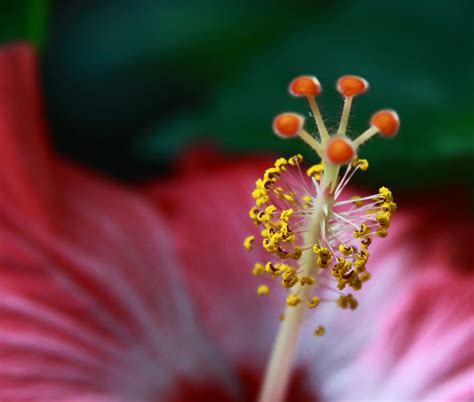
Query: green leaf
[(24, 20)]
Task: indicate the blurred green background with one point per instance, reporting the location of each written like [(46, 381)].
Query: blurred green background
[(131, 84)]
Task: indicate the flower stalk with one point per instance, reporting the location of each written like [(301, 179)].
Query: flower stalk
[(282, 357)]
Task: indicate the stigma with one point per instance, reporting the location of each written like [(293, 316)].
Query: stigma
[(316, 238)]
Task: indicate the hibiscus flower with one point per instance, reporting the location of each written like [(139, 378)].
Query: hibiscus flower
[(112, 293)]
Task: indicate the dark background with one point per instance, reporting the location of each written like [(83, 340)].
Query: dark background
[(129, 85)]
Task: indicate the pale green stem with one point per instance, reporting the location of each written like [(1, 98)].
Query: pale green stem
[(281, 361), (330, 175)]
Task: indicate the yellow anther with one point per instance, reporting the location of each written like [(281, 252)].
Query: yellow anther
[(383, 219), (267, 183), (347, 251), (280, 164), (341, 262), (314, 302), (324, 262), (290, 281), (289, 197), (341, 283), (262, 217), (263, 290), (248, 243), (295, 160), (272, 269), (270, 246), (363, 231), (386, 194), (278, 191), (358, 204), (293, 300), (348, 301), (324, 252), (258, 269), (359, 264), (364, 276), (355, 282), (389, 207), (271, 174), (382, 232), (286, 214), (315, 171), (307, 280), (282, 253), (324, 256), (366, 242), (307, 201), (316, 249), (268, 231), (320, 331), (297, 253), (363, 164), (262, 200), (288, 271), (257, 193), (270, 210)]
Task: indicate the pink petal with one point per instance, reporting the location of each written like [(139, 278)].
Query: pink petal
[(93, 307)]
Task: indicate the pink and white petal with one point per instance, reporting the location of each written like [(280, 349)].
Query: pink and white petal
[(423, 347), (114, 319), (93, 305), (411, 332)]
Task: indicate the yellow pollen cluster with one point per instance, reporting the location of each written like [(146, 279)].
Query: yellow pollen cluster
[(320, 331), (285, 201)]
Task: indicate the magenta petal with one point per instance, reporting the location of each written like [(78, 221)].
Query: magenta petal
[(93, 307), (26, 182)]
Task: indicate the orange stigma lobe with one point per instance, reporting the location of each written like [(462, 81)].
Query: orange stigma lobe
[(305, 85), (340, 150), (387, 122), (288, 125), (352, 85)]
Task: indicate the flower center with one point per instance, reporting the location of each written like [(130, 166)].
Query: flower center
[(317, 243)]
